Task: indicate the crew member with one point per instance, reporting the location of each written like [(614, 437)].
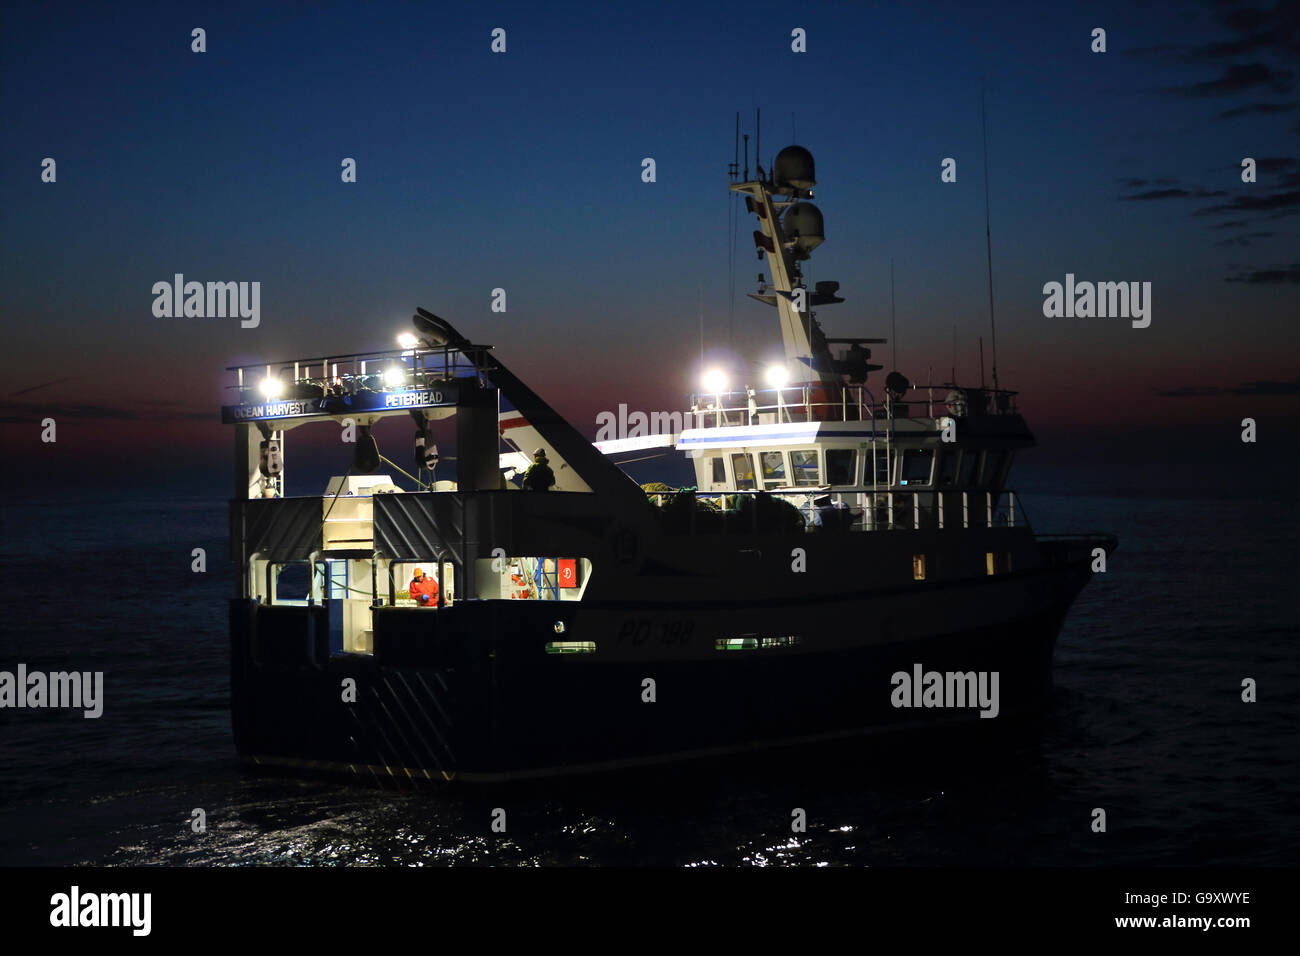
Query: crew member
[(424, 589), (539, 476)]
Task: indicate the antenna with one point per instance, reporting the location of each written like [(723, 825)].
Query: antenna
[(701, 329), (893, 320), (746, 157), (988, 241), (735, 162)]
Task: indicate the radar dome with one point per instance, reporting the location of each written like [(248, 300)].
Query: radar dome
[(794, 167), (803, 226)]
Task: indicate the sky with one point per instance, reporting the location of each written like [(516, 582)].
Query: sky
[(522, 170)]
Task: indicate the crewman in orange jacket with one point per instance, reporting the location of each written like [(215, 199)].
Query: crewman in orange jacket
[(424, 589)]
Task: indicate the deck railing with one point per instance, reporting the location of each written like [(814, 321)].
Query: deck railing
[(841, 403), (364, 371), (890, 510)]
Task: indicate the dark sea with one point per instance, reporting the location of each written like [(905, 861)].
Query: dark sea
[(1147, 721)]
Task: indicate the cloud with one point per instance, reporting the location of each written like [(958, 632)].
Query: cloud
[(1276, 276), (1268, 202), (32, 388), (26, 413), (1257, 108), (1176, 193), (1132, 182), (1240, 78), (1247, 389), (1260, 30), (1244, 240)]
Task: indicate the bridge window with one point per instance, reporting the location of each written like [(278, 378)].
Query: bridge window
[(743, 467), (719, 471), (773, 469), (804, 466), (918, 463), (841, 466)]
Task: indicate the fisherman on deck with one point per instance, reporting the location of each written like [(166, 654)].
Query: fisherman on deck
[(539, 476), (424, 589)]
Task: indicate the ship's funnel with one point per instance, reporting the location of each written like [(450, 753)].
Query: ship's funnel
[(803, 226), (793, 167)]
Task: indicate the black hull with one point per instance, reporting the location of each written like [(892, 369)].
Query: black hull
[(469, 693)]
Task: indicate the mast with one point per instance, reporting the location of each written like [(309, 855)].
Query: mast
[(789, 229)]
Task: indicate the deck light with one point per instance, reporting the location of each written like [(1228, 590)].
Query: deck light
[(715, 380), (394, 376), (272, 387), (407, 340), (776, 376)]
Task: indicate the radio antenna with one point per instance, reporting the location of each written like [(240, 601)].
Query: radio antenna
[(988, 241), (893, 319), (735, 159)]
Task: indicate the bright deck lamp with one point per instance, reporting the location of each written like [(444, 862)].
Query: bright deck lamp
[(715, 381), (394, 376), (776, 376), (407, 340), (271, 387)]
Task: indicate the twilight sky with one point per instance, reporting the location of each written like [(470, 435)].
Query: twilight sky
[(522, 170)]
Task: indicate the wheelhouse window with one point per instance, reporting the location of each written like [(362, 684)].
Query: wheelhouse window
[(803, 465), (773, 468), (841, 466), (719, 471), (743, 467), (918, 463)]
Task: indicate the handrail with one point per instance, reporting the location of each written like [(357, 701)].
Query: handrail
[(879, 510), (834, 402)]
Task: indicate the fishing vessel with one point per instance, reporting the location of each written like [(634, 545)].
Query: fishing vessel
[(849, 561)]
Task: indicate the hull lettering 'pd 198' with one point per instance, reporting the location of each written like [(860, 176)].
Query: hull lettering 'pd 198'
[(543, 614)]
